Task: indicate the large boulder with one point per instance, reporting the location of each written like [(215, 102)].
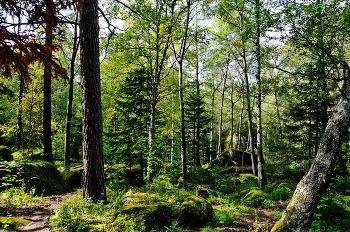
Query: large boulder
[(73, 176), (194, 212), (143, 210), (5, 153), (42, 176)]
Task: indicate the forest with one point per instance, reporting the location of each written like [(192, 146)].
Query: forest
[(175, 115)]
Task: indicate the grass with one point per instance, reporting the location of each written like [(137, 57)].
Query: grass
[(18, 197)]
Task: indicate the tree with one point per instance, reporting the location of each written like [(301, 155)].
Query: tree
[(67, 146), (319, 17), (91, 108)]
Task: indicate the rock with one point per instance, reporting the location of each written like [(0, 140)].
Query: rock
[(145, 209), (42, 176), (73, 176), (253, 194), (28, 154), (194, 212), (248, 179), (12, 222), (5, 153), (203, 190)]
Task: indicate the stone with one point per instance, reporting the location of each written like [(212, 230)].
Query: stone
[(194, 212)]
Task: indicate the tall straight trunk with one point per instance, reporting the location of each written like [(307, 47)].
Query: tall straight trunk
[(47, 90), (198, 97), (151, 131), (218, 152), (211, 143), (19, 115), (250, 125), (172, 138), (91, 105), (182, 126), (70, 99), (299, 213), (240, 125), (232, 105), (261, 176)]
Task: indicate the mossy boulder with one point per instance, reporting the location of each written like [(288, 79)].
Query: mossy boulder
[(194, 212), (5, 153), (248, 179), (146, 210), (253, 194), (12, 222), (42, 176), (73, 176), (28, 154)]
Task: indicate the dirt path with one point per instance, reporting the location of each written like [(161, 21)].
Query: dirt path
[(262, 219), (38, 215)]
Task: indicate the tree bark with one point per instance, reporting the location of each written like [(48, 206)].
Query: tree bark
[(70, 100), (219, 150), (91, 106), (261, 176), (299, 213), (47, 89), (19, 115)]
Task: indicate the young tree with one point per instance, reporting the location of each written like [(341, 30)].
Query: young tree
[(91, 108)]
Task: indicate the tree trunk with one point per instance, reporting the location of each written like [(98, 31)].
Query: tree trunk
[(299, 213), (151, 130), (182, 126), (261, 176), (47, 90), (219, 150), (91, 106), (240, 125), (70, 100), (19, 115)]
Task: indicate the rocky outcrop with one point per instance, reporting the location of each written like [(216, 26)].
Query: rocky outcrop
[(194, 212), (42, 176)]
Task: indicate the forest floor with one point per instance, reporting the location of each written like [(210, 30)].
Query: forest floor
[(39, 214)]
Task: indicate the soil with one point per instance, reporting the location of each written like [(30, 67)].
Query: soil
[(261, 220)]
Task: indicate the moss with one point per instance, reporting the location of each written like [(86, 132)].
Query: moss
[(27, 154), (279, 227), (194, 211), (247, 178), (254, 193), (244, 192), (12, 221)]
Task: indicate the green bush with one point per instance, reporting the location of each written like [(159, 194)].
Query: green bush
[(281, 194)]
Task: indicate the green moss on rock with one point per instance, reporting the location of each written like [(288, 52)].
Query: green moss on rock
[(253, 194), (194, 212), (42, 176), (143, 209), (12, 222)]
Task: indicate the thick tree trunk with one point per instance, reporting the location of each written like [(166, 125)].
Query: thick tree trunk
[(91, 106), (261, 176), (299, 213), (47, 90), (70, 100)]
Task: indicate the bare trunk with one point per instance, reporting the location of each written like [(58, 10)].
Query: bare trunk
[(151, 130), (240, 125), (219, 150), (300, 210), (19, 115), (182, 126), (47, 90), (70, 100), (91, 106), (261, 176)]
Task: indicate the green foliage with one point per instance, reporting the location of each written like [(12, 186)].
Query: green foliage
[(332, 214), (198, 175), (14, 197)]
